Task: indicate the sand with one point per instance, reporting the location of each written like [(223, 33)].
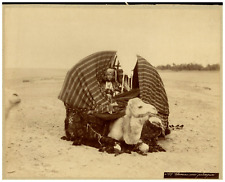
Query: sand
[(32, 148)]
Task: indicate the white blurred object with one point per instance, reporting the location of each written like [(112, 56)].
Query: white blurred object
[(11, 100), (127, 60)]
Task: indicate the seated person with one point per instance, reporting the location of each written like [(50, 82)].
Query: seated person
[(110, 86)]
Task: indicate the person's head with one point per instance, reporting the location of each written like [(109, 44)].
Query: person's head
[(110, 74)]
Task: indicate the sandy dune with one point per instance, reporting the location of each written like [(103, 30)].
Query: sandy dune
[(33, 148)]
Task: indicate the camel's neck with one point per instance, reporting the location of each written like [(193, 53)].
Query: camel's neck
[(132, 130)]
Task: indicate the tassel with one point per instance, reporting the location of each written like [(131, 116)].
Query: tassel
[(113, 61), (131, 80), (116, 75), (123, 83)]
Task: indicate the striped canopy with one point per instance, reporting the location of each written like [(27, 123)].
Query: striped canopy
[(151, 87), (81, 88)]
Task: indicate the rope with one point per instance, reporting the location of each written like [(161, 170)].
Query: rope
[(96, 133)]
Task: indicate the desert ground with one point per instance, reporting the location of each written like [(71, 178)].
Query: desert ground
[(32, 148)]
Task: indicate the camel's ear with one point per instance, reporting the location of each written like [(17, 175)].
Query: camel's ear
[(128, 111)]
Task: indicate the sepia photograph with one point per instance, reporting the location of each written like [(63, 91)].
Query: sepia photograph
[(112, 91)]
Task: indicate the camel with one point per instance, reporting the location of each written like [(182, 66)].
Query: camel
[(11, 100), (124, 133), (129, 127)]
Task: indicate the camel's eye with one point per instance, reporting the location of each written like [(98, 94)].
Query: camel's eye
[(139, 107), (15, 94)]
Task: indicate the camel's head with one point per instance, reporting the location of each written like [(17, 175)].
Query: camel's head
[(137, 108)]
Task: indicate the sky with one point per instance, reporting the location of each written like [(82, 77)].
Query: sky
[(58, 36)]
